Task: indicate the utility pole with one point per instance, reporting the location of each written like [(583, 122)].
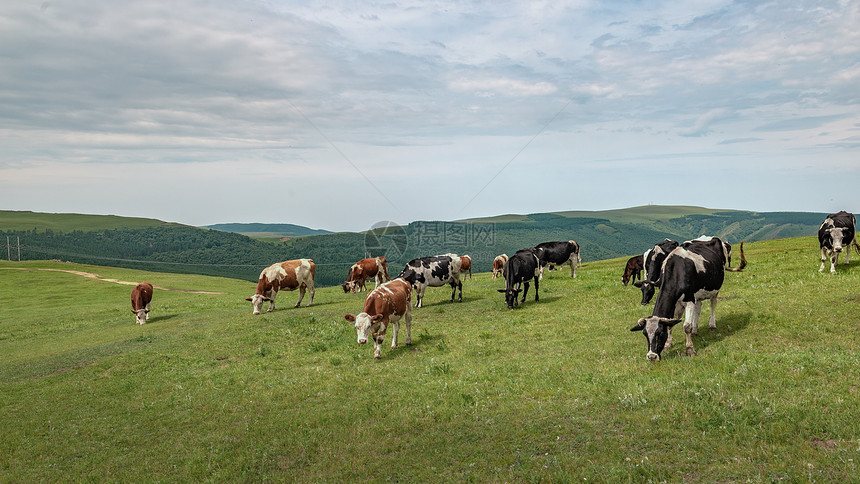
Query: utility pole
[(19, 248), (8, 249)]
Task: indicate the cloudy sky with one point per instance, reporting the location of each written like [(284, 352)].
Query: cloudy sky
[(340, 115)]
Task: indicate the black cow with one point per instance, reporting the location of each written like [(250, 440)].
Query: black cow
[(559, 254), (653, 262), (433, 271), (836, 232), (691, 273), (633, 269), (522, 267)]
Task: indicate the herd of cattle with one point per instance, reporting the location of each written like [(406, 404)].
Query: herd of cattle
[(687, 274)]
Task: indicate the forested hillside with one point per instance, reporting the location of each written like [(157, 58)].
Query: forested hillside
[(155, 246)]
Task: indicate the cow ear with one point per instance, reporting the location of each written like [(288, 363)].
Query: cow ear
[(147, 310), (349, 317), (133, 311), (500, 290), (640, 325), (248, 299), (267, 299), (670, 322), (377, 318), (638, 283)]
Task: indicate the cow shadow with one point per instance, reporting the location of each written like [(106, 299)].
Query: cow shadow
[(728, 325), (160, 318), (422, 340)]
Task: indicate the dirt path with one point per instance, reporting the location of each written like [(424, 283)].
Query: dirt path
[(91, 275)]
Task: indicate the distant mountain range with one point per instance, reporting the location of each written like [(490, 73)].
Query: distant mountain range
[(266, 231), (241, 250)]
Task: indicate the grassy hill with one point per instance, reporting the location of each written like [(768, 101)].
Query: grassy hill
[(267, 231), (555, 391), (158, 246)]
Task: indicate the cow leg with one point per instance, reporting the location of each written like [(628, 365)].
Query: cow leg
[(460, 286), (147, 311), (572, 267), (525, 291), (395, 327), (834, 259), (690, 324), (311, 292), (408, 317), (690, 351), (419, 296), (712, 321), (377, 346), (271, 302), (537, 293), (301, 295), (697, 311), (823, 258)]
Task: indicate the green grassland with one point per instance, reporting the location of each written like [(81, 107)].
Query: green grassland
[(66, 222), (553, 391)]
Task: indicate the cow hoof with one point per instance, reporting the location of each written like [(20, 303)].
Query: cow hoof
[(377, 356), (712, 327), (690, 351)]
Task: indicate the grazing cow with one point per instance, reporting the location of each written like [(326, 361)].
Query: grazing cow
[(466, 265), (652, 263), (691, 273), (289, 276), (522, 267), (374, 267), (141, 296), (559, 254), (433, 271), (633, 268), (836, 232), (385, 304), (499, 264)]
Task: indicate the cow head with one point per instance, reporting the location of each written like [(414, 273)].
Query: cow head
[(656, 331), (141, 315), (648, 290), (510, 297), (257, 301), (365, 325), (836, 236), (348, 286)]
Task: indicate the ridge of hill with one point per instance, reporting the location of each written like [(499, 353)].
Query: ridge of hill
[(159, 246), (261, 230)]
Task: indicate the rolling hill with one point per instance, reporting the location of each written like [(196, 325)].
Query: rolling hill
[(267, 231), (159, 246)]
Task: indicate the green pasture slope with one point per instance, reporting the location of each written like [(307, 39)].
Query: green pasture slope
[(11, 220), (553, 391)]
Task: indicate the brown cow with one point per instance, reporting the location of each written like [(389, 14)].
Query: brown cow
[(288, 275), (499, 264), (634, 268), (141, 296), (366, 269), (387, 303), (466, 264)]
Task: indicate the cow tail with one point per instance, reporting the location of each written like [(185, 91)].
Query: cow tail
[(743, 261), (856, 245)]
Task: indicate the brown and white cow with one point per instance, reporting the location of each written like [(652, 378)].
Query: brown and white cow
[(374, 267), (386, 304), (289, 276), (466, 265), (141, 296), (633, 269), (499, 264)]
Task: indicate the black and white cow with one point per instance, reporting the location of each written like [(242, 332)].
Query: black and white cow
[(433, 271), (523, 266), (691, 273), (654, 258), (558, 254), (836, 232)]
